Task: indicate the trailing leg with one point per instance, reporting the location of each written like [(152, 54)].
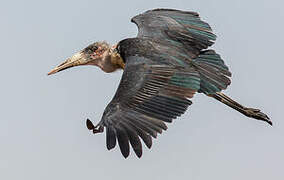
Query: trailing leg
[(249, 112)]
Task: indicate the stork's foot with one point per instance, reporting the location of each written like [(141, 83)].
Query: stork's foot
[(257, 114), (96, 129)]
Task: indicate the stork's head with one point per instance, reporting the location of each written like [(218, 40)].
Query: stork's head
[(97, 54)]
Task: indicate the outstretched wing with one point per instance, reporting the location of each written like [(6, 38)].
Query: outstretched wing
[(149, 95), (181, 29), (183, 36)]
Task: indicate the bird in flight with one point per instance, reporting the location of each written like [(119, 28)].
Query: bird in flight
[(164, 66)]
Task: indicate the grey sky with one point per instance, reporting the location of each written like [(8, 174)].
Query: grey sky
[(42, 120)]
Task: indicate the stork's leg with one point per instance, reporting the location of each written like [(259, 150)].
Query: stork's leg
[(249, 112)]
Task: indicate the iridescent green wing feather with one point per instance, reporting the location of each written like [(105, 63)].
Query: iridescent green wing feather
[(213, 72), (179, 28)]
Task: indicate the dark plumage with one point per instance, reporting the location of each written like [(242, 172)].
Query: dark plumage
[(164, 66)]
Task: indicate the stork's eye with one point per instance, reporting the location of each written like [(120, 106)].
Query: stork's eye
[(91, 49)]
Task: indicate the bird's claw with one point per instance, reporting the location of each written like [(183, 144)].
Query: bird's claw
[(96, 129), (257, 114)]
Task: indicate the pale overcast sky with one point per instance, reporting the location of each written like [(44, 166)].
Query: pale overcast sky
[(42, 120)]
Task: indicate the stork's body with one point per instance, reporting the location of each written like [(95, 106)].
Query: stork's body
[(164, 66)]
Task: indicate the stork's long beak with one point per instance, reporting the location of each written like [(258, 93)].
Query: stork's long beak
[(76, 60)]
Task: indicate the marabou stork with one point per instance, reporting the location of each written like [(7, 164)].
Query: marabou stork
[(164, 66)]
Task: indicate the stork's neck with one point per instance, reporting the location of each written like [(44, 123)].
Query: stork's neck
[(111, 60), (116, 59)]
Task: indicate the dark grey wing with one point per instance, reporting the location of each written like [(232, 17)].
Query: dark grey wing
[(182, 29), (148, 95), (187, 36)]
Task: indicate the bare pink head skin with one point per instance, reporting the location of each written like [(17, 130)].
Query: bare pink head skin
[(99, 54)]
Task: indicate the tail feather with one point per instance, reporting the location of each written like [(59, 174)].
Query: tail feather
[(214, 74)]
